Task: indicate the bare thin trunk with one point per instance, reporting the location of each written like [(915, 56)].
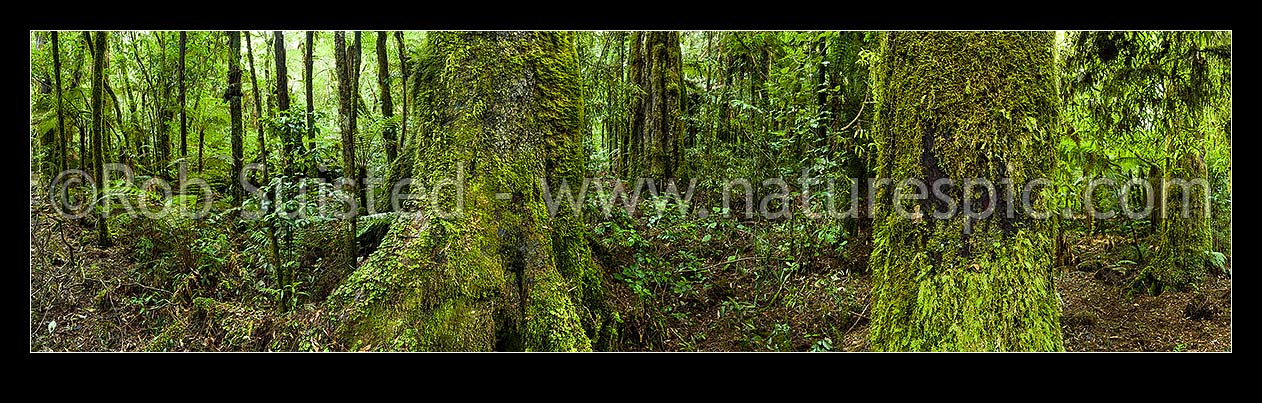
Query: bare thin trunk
[(282, 99), (258, 107), (307, 78), (234, 106), (60, 148), (99, 54), (183, 99)]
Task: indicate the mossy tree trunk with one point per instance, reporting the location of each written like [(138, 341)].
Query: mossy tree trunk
[(657, 109), (964, 105), (1183, 238), (490, 269)]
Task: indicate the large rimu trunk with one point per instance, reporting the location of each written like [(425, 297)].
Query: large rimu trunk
[(959, 281), (488, 269)]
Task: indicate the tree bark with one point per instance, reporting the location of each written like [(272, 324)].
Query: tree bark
[(403, 70), (307, 63), (233, 96), (258, 108), (944, 281), (360, 168), (1184, 238), (59, 154), (387, 104), (344, 60), (163, 110), (639, 95), (497, 275), (183, 100), (118, 118), (99, 53), (288, 140), (138, 139), (657, 118)]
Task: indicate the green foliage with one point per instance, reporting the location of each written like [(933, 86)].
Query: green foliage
[(507, 275)]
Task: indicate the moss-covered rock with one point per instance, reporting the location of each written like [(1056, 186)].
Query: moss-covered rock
[(964, 105), (488, 269)]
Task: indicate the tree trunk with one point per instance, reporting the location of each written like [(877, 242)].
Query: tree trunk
[(344, 60), (201, 132), (361, 168), (495, 274), (163, 110), (957, 281), (821, 88), (118, 118), (403, 70), (288, 140), (624, 109), (138, 139), (307, 63), (233, 96), (183, 99), (59, 153), (258, 108), (83, 160), (387, 104), (657, 123), (99, 53), (1184, 238)]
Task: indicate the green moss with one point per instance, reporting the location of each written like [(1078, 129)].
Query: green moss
[(964, 105), (1184, 239), (168, 339), (500, 273)]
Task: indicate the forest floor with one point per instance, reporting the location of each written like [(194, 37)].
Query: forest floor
[(1101, 312), (730, 301)]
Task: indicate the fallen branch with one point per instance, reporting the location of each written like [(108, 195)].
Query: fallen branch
[(861, 316)]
